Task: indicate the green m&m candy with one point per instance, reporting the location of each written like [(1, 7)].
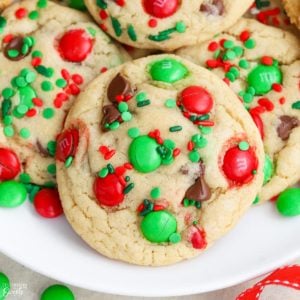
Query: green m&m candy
[(168, 70), (57, 292), (143, 154), (4, 286), (288, 202), (262, 77), (158, 226), (268, 169), (12, 193)]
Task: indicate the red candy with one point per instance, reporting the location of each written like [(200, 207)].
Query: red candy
[(161, 8), (75, 45), (196, 99), (198, 239), (67, 143), (109, 190), (10, 166), (259, 123), (47, 203), (238, 165)]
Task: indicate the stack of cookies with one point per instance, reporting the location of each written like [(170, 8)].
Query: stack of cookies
[(152, 125)]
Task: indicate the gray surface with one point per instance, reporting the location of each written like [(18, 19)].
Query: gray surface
[(28, 285)]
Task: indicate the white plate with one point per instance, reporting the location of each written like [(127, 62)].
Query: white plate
[(262, 241)]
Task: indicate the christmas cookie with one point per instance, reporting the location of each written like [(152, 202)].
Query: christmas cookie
[(261, 64), (165, 24), (292, 8), (48, 53), (270, 12), (161, 161)]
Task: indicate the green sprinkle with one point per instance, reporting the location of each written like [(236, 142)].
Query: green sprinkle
[(229, 55), (180, 27), (131, 33), (37, 53), (20, 82), (13, 53), (101, 3), (25, 178), (250, 44), (235, 71), (42, 3), (92, 31), (25, 133), (126, 116), (114, 126), (256, 200), (68, 161), (25, 49), (133, 132), (186, 202), (122, 107), (48, 113), (230, 76), (47, 86), (3, 22), (244, 146), (7, 120), (128, 188), (141, 97), (175, 238), (228, 44), (103, 173), (127, 178), (296, 105), (205, 130), (251, 90), (170, 103), (51, 147), (239, 51), (51, 169), (217, 54), (110, 168), (7, 93), (175, 128), (116, 26), (61, 83), (30, 77), (33, 191), (194, 156), (33, 15), (143, 103), (155, 193), (47, 72), (22, 109), (248, 98), (198, 204), (8, 131)]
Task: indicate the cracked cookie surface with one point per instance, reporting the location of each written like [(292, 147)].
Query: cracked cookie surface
[(48, 53), (261, 64), (292, 8), (155, 163), (165, 24)]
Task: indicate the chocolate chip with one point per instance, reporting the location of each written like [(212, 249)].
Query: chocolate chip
[(287, 124), (110, 115), (214, 7), (16, 49), (117, 87), (43, 151), (199, 191)]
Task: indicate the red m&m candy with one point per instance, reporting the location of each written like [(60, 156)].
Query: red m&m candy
[(9, 164), (239, 164), (259, 123), (75, 45), (109, 190), (196, 99), (161, 8), (67, 143), (198, 238), (47, 203)]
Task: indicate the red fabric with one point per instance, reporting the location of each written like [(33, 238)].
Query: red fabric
[(288, 276)]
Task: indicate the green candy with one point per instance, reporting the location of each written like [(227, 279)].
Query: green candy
[(77, 4), (26, 95), (143, 154), (262, 77), (158, 226), (12, 193), (57, 292), (4, 286), (268, 169), (168, 70), (288, 202)]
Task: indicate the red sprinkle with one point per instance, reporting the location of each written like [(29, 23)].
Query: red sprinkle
[(213, 46), (103, 70), (120, 2), (77, 78), (109, 154), (36, 61), (265, 102), (277, 87), (103, 14), (103, 149), (176, 152), (190, 146), (65, 74), (282, 100), (120, 171), (37, 102), (8, 38), (21, 13), (244, 36), (267, 60), (158, 207), (140, 207), (152, 23), (103, 27), (31, 113), (128, 166)]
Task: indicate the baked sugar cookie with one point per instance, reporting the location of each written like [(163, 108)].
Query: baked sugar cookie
[(165, 24), (262, 65), (292, 8), (48, 53), (158, 163), (4, 4)]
